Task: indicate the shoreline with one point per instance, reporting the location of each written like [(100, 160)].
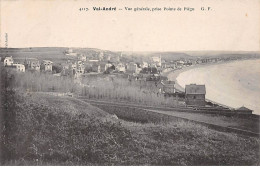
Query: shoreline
[(174, 74)]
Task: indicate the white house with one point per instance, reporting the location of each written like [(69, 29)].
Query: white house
[(80, 67), (120, 67), (144, 65), (19, 67), (82, 58), (8, 61), (70, 52), (47, 65), (157, 60), (108, 65)]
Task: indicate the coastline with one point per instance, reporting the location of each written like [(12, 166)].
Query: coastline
[(173, 75)]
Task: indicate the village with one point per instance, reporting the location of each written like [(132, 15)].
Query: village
[(147, 71)]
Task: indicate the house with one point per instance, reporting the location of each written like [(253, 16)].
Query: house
[(167, 87), (157, 60), (32, 64), (82, 58), (80, 67), (70, 52), (19, 67), (108, 65), (46, 65), (243, 110), (188, 63), (68, 69), (169, 65), (131, 68), (8, 61), (198, 61), (120, 67), (195, 95), (180, 63), (154, 65), (144, 65), (149, 70)]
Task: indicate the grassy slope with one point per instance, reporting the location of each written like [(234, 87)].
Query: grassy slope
[(53, 130), (251, 124), (48, 130), (183, 143)]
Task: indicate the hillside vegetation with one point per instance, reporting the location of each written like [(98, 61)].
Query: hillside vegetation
[(101, 87)]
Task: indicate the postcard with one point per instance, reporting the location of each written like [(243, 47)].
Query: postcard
[(129, 82)]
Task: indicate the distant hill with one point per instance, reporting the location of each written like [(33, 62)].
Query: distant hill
[(52, 53), (57, 54), (39, 53)]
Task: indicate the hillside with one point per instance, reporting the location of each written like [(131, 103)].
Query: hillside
[(50, 130)]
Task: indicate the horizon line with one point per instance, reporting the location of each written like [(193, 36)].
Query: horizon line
[(135, 51)]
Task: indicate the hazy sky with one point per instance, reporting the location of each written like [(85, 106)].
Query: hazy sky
[(230, 25)]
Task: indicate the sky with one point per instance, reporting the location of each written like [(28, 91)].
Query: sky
[(230, 25)]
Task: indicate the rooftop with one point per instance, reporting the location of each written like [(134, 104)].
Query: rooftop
[(47, 61), (167, 82), (195, 89), (243, 108)]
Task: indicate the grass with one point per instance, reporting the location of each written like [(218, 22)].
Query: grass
[(78, 134), (241, 122), (46, 133), (135, 114), (81, 134), (185, 143)]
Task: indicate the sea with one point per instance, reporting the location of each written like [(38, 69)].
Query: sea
[(234, 84)]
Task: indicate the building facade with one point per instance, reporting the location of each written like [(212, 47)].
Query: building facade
[(32, 64), (47, 65), (195, 95), (19, 67), (8, 61)]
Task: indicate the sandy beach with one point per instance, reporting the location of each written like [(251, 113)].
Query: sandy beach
[(173, 74), (234, 83)]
